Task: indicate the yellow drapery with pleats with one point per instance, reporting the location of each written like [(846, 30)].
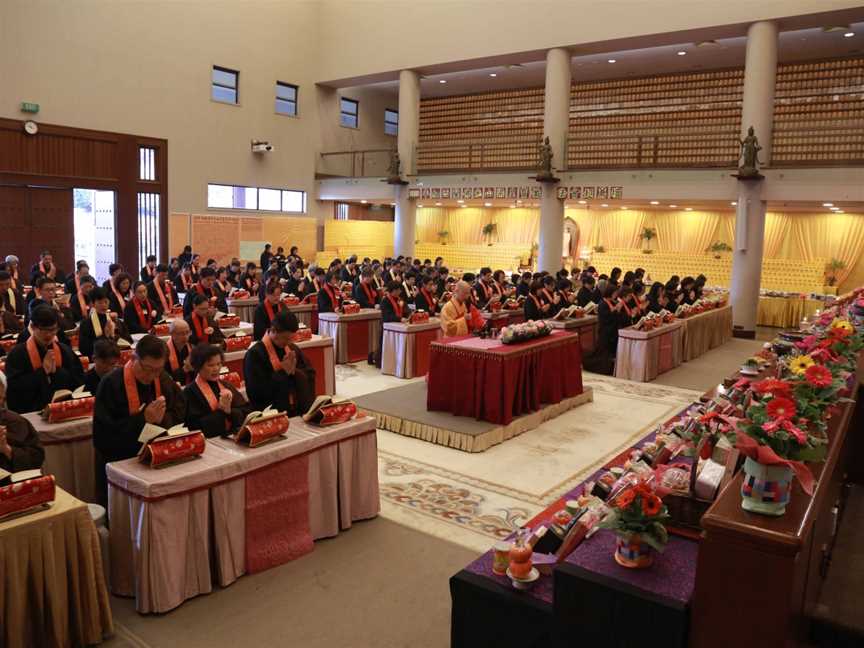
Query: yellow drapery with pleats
[(828, 236)]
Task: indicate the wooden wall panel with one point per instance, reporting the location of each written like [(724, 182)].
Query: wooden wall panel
[(15, 222), (52, 227), (340, 234), (179, 233)]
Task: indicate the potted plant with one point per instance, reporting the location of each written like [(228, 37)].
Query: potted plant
[(834, 266), (442, 237), (489, 230), (638, 517), (599, 249), (648, 233), (718, 247)]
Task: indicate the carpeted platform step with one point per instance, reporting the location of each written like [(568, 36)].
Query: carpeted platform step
[(838, 620)]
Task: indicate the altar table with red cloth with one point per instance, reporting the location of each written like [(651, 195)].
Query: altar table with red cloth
[(644, 355), (585, 326), (306, 314), (177, 531), (495, 382), (405, 347), (318, 351), (245, 308), (496, 319), (354, 336)]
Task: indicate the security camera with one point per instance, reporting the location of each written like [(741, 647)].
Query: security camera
[(260, 146)]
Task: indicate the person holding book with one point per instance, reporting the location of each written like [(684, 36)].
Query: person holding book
[(276, 371), (267, 309), (365, 292), (536, 308), (101, 323), (106, 355), (586, 294), (40, 366), (20, 448), (45, 294), (141, 313), (427, 299), (202, 326), (213, 406), (330, 295), (140, 392), (162, 293)]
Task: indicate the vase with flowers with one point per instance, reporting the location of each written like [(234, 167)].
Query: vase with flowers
[(638, 517)]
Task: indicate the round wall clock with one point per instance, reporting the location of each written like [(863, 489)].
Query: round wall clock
[(31, 128)]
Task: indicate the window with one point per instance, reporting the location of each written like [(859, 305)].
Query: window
[(224, 85), (349, 113), (221, 196), (342, 211), (148, 226), (391, 122), (146, 163), (286, 99)]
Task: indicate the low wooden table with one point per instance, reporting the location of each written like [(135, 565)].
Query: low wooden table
[(405, 347), (644, 355), (585, 326), (51, 580), (354, 336)]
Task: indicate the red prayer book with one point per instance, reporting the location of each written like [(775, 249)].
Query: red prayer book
[(262, 427), (25, 490)]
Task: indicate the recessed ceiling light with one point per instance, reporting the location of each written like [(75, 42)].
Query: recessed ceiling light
[(392, 204), (655, 202), (460, 201), (604, 205), (583, 202), (512, 206), (682, 53), (835, 209), (688, 209), (839, 211), (463, 205), (518, 202), (420, 206), (613, 60), (487, 204), (827, 204), (437, 204), (442, 80), (673, 206), (733, 203), (848, 34), (363, 201), (493, 74), (625, 207)]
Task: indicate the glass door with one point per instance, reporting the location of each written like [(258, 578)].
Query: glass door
[(94, 230)]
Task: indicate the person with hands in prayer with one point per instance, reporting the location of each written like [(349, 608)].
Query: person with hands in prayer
[(101, 323), (213, 406), (202, 326), (141, 314), (20, 448)]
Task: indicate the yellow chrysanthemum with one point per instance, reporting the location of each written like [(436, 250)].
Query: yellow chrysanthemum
[(798, 365), (842, 324)]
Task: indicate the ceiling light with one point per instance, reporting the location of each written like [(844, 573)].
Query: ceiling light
[(442, 80), (583, 202), (682, 53), (848, 34), (733, 203), (460, 201), (604, 205), (420, 206), (487, 204), (688, 209), (835, 209), (518, 202), (655, 202), (392, 204), (437, 204), (463, 205), (363, 201), (512, 206), (515, 66), (493, 74), (673, 206), (827, 204), (612, 60), (840, 211), (625, 207)]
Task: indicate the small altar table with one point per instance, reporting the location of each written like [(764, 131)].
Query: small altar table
[(354, 336), (245, 308), (318, 351), (68, 454), (405, 347), (644, 355), (585, 326)]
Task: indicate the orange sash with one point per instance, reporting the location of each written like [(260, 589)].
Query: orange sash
[(199, 329), (269, 308), (146, 319), (173, 358), (13, 302), (207, 392), (36, 359), (121, 300), (486, 290), (184, 281), (397, 306), (536, 302), (271, 353), (548, 295), (334, 299), (370, 294), (131, 386), (429, 300), (167, 302), (82, 304)]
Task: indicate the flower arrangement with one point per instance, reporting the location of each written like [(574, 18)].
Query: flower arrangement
[(718, 247), (524, 331), (831, 269), (637, 515)]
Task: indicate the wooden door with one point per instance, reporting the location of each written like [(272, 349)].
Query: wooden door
[(15, 224), (52, 226)]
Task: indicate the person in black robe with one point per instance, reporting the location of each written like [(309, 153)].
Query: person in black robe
[(426, 299), (609, 315), (118, 293), (174, 269), (106, 355), (169, 292), (365, 292), (586, 294), (79, 303), (179, 351), (265, 257), (45, 294), (205, 287), (330, 295), (297, 284), (141, 313), (291, 387), (267, 309), (81, 270), (202, 326), (114, 270), (110, 327), (688, 290), (45, 266), (523, 288), (31, 387), (536, 308), (11, 305), (349, 272), (231, 407), (185, 256), (657, 297), (115, 428), (551, 295), (483, 292), (20, 448), (409, 288), (148, 272)]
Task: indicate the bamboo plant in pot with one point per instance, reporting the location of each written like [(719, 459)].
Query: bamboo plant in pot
[(489, 230), (648, 234)]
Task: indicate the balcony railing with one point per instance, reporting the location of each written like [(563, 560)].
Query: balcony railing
[(368, 163), (504, 155)]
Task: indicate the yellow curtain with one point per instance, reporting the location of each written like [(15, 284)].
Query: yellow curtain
[(776, 230), (430, 221), (830, 236), (517, 226), (620, 229), (688, 232)]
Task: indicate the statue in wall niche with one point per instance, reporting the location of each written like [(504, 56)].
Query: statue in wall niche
[(394, 170), (544, 171), (750, 156)]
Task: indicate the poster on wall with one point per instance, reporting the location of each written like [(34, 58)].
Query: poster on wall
[(532, 192)]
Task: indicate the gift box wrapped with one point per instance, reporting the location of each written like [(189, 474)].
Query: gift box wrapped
[(69, 410), (240, 294), (26, 494), (261, 427), (325, 412), (166, 450), (238, 342), (162, 329), (303, 334), (8, 343), (495, 306), (233, 378), (229, 321), (291, 300), (125, 356), (311, 298), (177, 310), (350, 308), (419, 317)]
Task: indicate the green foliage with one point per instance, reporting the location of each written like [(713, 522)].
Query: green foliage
[(649, 233), (599, 249), (719, 246)]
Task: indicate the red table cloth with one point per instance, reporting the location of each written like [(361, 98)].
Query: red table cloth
[(494, 382)]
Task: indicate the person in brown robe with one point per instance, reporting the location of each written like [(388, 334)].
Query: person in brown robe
[(20, 448)]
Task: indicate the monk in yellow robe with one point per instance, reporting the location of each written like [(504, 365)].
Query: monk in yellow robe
[(454, 314)]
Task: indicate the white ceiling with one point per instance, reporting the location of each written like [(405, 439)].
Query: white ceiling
[(803, 44)]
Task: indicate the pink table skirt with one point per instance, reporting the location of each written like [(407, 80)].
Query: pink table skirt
[(68, 454), (405, 348), (354, 336), (645, 357), (178, 530)]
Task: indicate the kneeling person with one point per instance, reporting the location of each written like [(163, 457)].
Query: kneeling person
[(213, 406)]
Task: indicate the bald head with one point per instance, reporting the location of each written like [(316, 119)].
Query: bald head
[(179, 332), (462, 291)]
